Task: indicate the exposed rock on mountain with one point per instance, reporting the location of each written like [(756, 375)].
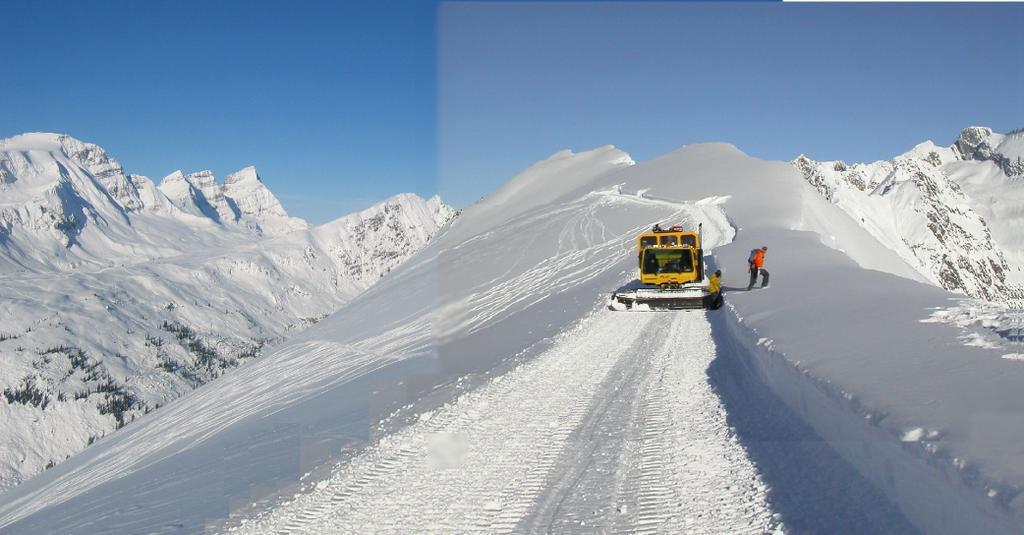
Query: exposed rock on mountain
[(923, 205)]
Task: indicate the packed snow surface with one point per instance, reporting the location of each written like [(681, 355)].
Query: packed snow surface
[(613, 429)]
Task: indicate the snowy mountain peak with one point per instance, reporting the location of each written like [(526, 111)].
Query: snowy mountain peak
[(48, 142), (56, 147), (524, 188), (173, 180), (933, 206), (257, 204), (187, 196), (66, 204), (225, 208), (442, 212), (930, 153), (976, 142), (204, 180), (980, 143), (243, 199), (243, 176), (394, 218), (251, 195), (152, 198)]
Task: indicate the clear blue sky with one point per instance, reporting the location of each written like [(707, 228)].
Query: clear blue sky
[(836, 81), (340, 103), (333, 101)]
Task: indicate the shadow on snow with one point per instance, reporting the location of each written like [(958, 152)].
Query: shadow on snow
[(810, 486)]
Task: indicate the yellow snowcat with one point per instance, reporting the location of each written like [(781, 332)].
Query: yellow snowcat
[(671, 271)]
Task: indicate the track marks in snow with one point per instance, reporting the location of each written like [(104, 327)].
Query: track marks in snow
[(708, 211), (586, 248), (694, 476), (662, 458), (613, 429), (475, 465)]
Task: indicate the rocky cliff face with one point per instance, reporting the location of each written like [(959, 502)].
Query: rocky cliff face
[(378, 239), (105, 169), (912, 204), (979, 143)]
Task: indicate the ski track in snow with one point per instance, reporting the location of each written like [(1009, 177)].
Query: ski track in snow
[(615, 428)]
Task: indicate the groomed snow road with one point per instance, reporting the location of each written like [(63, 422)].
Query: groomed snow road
[(615, 428)]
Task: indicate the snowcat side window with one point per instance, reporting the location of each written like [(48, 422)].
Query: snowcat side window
[(669, 241), (689, 240), (686, 263), (648, 241), (650, 264)]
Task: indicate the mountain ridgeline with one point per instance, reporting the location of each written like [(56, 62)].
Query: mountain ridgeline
[(66, 204), (955, 213), (121, 295)]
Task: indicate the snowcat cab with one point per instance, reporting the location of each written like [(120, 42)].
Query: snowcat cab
[(671, 271)]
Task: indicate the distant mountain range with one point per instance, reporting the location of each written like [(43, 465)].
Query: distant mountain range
[(120, 294), (955, 213)]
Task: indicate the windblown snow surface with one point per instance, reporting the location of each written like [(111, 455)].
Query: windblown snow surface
[(483, 386)]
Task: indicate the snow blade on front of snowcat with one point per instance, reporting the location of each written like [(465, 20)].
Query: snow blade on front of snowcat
[(684, 298)]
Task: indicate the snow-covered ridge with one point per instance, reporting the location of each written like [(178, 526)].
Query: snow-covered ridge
[(98, 342), (951, 212)]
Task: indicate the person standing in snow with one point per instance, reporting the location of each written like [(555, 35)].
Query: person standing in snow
[(756, 262), (714, 298)]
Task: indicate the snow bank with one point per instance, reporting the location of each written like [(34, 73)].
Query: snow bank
[(929, 420)]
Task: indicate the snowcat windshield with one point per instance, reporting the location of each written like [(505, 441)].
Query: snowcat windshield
[(667, 261)]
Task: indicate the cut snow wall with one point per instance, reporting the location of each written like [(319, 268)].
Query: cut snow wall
[(932, 496)]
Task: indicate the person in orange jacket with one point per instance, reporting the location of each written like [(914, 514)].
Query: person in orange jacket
[(756, 262)]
